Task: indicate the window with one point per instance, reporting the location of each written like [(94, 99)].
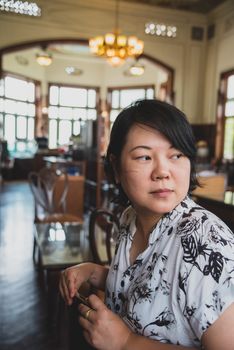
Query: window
[(17, 112), (122, 97), (160, 29), (228, 150), (225, 118), (70, 108), (20, 7)]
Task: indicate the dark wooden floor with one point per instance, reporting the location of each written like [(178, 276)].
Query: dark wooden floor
[(24, 317)]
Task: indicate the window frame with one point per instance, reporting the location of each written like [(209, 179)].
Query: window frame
[(121, 88), (221, 117), (72, 120), (36, 102), (105, 123)]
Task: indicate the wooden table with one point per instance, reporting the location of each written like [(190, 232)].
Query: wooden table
[(59, 246), (74, 167)]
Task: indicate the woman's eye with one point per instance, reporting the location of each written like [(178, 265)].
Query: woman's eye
[(177, 156), (143, 158)]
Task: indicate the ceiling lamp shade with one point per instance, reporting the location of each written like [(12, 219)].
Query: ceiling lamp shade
[(44, 58), (115, 47), (137, 69)]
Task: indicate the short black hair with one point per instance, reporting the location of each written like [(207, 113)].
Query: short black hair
[(161, 116)]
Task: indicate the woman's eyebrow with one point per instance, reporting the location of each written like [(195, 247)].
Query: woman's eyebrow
[(147, 147), (140, 147)]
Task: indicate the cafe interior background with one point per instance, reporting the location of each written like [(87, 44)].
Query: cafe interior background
[(71, 103)]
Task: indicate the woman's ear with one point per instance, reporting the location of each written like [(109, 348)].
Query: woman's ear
[(115, 168)]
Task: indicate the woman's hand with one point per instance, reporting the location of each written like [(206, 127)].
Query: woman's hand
[(72, 278), (103, 329), (70, 281)]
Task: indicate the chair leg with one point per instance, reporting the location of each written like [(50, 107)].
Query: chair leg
[(61, 318), (35, 251)]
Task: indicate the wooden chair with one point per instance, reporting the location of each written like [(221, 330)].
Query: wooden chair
[(103, 227), (53, 190)]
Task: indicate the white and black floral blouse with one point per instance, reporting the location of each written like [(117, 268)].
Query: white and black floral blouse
[(181, 283)]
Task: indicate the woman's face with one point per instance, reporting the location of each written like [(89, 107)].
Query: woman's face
[(154, 175)]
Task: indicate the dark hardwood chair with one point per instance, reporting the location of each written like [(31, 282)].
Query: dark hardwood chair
[(58, 197), (50, 188), (42, 185), (103, 228)]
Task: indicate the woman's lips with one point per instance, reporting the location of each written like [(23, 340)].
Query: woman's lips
[(164, 192)]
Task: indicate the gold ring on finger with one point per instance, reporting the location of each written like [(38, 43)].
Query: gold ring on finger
[(87, 314)]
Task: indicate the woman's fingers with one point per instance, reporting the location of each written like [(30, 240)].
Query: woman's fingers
[(64, 288), (72, 278), (95, 302), (101, 326), (88, 314), (68, 285), (87, 337)]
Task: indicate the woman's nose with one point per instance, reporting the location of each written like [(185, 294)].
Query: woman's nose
[(160, 171)]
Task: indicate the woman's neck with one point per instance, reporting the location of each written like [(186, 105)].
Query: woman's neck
[(145, 224)]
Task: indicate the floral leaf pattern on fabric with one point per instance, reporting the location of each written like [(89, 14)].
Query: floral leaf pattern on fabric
[(192, 249), (164, 319), (183, 280), (215, 265)]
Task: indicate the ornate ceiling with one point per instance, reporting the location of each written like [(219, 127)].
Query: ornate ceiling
[(200, 6)]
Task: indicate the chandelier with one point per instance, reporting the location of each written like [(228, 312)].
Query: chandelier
[(116, 47)]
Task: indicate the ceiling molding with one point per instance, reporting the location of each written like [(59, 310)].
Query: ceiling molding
[(197, 6)]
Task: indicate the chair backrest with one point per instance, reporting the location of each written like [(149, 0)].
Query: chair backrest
[(103, 228), (75, 194), (43, 185)]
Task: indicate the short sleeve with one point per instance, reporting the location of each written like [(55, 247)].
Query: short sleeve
[(207, 276)]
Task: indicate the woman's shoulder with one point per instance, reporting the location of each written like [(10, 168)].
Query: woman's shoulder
[(201, 229), (199, 217)]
